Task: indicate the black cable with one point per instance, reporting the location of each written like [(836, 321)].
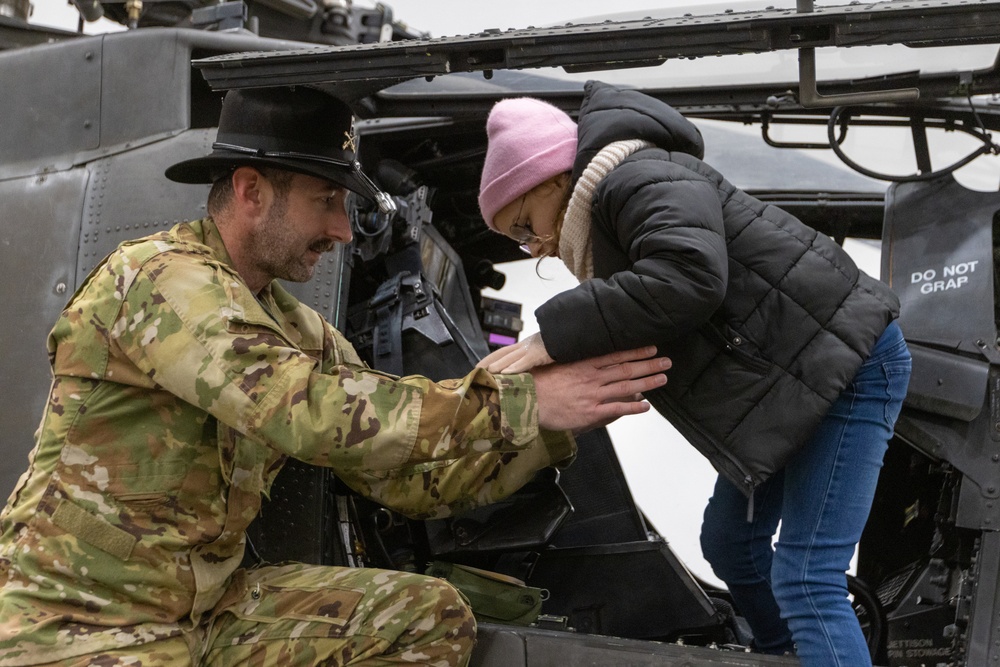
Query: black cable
[(981, 134)]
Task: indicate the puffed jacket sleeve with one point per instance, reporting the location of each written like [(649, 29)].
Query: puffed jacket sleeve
[(667, 220), (424, 448)]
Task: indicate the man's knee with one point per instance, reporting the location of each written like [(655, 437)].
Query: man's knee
[(451, 598), (343, 612), (435, 623), (445, 606)]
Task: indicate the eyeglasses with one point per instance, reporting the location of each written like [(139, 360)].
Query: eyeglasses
[(522, 232)]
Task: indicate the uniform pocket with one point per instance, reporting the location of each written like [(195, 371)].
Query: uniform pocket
[(283, 602), (145, 485), (278, 605)]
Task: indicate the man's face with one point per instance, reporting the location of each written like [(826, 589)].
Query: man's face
[(302, 223)]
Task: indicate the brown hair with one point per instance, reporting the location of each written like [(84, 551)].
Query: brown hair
[(221, 194)]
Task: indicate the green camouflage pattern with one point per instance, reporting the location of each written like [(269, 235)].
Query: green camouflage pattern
[(176, 397), (307, 615)]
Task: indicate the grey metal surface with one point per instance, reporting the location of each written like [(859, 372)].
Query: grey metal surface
[(947, 384), (15, 33), (971, 448), (83, 99), (614, 44), (49, 99), (511, 646), (128, 196), (74, 97), (39, 228), (938, 257), (634, 589), (145, 85), (984, 624)]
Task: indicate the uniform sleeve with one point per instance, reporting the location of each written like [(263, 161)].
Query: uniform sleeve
[(668, 221), (421, 447)]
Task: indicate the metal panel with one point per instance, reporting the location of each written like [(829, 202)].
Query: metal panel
[(51, 93), (146, 82), (984, 629), (508, 646), (972, 447), (39, 230), (938, 257), (76, 101), (298, 521), (614, 44), (947, 384), (16, 33), (129, 198), (633, 589)]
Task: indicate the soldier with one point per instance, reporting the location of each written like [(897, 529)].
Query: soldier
[(184, 376)]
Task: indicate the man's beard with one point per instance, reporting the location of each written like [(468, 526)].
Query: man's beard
[(276, 249)]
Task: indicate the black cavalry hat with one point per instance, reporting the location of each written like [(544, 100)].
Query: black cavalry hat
[(298, 129)]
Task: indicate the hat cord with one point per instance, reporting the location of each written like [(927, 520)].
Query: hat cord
[(384, 201)]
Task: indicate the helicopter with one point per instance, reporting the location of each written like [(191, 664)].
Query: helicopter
[(409, 291)]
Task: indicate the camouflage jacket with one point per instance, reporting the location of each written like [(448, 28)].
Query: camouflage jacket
[(177, 395)]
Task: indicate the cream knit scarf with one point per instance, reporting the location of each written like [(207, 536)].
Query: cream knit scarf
[(575, 248)]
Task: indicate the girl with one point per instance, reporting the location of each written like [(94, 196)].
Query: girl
[(789, 369)]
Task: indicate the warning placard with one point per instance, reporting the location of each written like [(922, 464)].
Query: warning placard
[(949, 277)]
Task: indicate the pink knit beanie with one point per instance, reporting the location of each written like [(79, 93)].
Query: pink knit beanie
[(529, 142)]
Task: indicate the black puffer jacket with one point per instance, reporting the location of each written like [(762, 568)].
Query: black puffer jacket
[(766, 320)]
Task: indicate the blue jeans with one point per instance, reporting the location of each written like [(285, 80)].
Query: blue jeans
[(794, 595)]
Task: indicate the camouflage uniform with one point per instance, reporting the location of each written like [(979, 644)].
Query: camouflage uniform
[(177, 396)]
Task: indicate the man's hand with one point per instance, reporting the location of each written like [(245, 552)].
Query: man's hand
[(517, 358), (594, 392)]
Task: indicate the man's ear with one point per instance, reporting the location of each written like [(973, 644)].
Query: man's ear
[(251, 190)]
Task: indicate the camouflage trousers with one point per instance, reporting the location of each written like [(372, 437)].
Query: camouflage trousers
[(303, 615)]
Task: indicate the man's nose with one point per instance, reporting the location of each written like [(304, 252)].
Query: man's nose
[(339, 227)]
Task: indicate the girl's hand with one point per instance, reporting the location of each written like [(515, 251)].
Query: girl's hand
[(517, 358)]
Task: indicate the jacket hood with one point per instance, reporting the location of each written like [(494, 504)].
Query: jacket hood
[(610, 114)]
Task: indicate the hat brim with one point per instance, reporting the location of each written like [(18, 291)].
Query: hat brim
[(210, 167)]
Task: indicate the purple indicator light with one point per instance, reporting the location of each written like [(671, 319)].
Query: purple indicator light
[(497, 339)]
